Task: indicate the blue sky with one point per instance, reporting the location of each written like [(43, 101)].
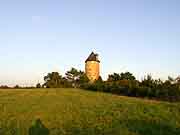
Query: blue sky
[(40, 36)]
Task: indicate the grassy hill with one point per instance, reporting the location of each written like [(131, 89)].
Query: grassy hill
[(80, 112)]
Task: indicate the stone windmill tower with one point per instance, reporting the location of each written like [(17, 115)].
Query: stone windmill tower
[(92, 67)]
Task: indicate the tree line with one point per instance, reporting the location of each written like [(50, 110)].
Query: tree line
[(117, 83)]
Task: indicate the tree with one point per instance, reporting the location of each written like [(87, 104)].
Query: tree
[(76, 77), (114, 77), (177, 80), (53, 80), (123, 76), (82, 79), (170, 79), (17, 87), (72, 75), (127, 76), (4, 87), (99, 84), (148, 81), (38, 85)]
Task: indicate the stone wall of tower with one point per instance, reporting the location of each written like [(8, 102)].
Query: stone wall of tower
[(92, 70)]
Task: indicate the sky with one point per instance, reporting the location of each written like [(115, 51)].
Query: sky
[(41, 36)]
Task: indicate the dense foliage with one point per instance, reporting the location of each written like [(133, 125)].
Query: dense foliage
[(55, 80), (121, 84), (73, 78), (168, 90)]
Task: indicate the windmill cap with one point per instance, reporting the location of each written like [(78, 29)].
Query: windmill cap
[(93, 57)]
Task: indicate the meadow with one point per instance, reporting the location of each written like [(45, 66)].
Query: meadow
[(81, 112)]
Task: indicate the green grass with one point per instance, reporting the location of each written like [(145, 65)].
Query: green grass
[(80, 112)]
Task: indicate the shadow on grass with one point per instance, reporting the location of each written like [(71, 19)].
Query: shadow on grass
[(38, 128), (143, 127)]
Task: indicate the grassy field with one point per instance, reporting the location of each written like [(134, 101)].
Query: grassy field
[(80, 112)]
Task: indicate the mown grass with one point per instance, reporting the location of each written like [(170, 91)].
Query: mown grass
[(80, 112)]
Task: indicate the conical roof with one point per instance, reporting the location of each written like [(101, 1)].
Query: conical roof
[(92, 57)]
